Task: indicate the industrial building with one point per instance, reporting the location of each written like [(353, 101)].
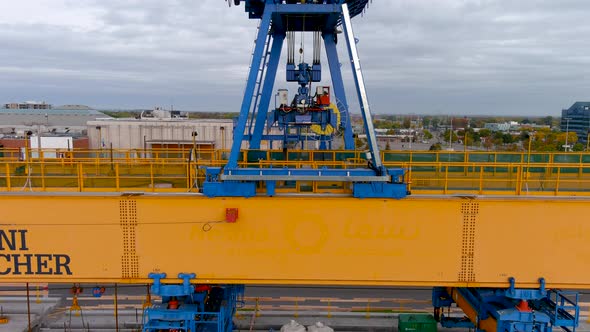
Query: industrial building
[(28, 105), (19, 121), (156, 133), (504, 127), (18, 125), (577, 119)]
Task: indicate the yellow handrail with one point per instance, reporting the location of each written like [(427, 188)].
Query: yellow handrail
[(169, 175)]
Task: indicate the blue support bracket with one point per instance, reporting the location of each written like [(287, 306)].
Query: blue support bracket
[(379, 190), (172, 290), (526, 294), (214, 187)]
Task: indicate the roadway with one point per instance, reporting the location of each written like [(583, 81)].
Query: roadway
[(271, 297), (338, 305)]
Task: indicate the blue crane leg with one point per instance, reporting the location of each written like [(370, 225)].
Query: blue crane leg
[(248, 93), (269, 80), (338, 84), (360, 88)]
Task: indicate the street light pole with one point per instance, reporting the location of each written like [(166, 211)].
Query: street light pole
[(451, 136), (531, 138), (567, 129)]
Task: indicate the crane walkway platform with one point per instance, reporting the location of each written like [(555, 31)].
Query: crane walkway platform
[(442, 172)]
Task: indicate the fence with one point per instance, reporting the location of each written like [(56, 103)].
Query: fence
[(172, 170)]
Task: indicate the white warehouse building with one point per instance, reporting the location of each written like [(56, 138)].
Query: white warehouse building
[(160, 133)]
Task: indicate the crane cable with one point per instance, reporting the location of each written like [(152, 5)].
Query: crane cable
[(301, 49)]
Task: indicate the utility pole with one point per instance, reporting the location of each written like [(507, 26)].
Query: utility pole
[(567, 129)]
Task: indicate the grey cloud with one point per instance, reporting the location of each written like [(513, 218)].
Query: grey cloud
[(459, 56)]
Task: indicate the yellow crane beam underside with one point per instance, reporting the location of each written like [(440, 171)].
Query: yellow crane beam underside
[(297, 239)]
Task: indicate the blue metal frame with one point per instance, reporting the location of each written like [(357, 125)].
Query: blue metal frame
[(271, 73), (547, 309), (250, 85), (338, 86), (231, 181), (255, 8), (209, 310), (272, 16), (357, 74)]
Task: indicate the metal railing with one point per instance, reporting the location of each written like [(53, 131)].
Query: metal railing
[(182, 171), (179, 155)]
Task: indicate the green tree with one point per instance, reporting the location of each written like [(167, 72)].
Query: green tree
[(427, 134), (434, 123), (435, 147), (578, 147), (507, 138), (485, 133), (475, 136), (447, 136), (407, 123), (548, 120)]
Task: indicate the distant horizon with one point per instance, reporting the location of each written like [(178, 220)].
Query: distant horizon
[(354, 114), (438, 114), (464, 57)]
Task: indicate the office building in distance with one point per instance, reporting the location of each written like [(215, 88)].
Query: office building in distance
[(577, 119)]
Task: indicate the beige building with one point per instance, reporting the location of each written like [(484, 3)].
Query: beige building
[(160, 133)]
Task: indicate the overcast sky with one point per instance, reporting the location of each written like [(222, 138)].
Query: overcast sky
[(461, 57)]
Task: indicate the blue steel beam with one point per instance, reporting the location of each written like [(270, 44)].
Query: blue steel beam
[(316, 9), (255, 8), (361, 90), (248, 93), (271, 72), (338, 85)]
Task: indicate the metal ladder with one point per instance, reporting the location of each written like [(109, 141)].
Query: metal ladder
[(259, 79)]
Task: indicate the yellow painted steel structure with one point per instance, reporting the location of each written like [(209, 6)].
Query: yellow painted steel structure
[(149, 175), (219, 155), (297, 239)]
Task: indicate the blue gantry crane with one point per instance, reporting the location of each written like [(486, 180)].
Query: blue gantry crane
[(310, 111)]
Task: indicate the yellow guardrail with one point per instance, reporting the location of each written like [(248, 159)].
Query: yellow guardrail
[(182, 171), (179, 155)]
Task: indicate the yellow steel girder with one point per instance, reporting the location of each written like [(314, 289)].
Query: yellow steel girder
[(323, 240)]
